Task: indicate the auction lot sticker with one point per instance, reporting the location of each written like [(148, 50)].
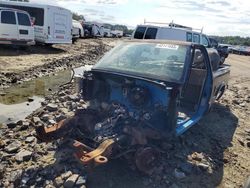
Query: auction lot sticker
[(167, 46)]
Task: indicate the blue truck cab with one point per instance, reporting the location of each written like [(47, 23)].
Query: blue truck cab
[(140, 93)]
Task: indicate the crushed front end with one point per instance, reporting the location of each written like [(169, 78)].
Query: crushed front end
[(126, 115)]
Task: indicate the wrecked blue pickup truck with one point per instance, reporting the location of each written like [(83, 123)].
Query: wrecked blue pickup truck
[(138, 94)]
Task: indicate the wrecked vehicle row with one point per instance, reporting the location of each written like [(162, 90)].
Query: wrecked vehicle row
[(138, 94)]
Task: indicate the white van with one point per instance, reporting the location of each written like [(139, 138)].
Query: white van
[(78, 26), (170, 32), (52, 24), (15, 27)]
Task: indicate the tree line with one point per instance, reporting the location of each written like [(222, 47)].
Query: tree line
[(233, 40)]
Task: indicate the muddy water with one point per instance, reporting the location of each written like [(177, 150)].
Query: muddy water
[(14, 103)]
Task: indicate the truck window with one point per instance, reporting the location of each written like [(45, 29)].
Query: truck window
[(139, 33), (205, 41), (151, 33), (37, 13), (196, 38), (8, 17), (189, 37), (23, 19)]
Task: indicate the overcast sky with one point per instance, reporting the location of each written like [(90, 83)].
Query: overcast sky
[(218, 17)]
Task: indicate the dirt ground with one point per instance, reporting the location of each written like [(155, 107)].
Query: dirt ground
[(221, 140), (16, 60)]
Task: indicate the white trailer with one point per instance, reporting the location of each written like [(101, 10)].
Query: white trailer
[(52, 24)]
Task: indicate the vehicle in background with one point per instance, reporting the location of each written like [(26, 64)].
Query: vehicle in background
[(222, 49), (16, 27), (117, 33), (93, 29), (107, 33), (75, 34), (52, 24), (176, 32), (76, 24), (170, 32), (241, 50)]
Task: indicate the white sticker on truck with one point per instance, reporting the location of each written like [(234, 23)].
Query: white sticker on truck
[(167, 46)]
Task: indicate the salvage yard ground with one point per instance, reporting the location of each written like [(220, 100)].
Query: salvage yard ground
[(213, 153)]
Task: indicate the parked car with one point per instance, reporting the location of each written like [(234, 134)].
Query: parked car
[(222, 49), (140, 93), (76, 24), (15, 27), (52, 24), (241, 50)]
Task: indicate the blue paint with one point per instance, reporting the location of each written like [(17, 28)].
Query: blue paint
[(158, 95)]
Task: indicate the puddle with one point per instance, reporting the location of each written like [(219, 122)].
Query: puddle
[(16, 112), (13, 102)]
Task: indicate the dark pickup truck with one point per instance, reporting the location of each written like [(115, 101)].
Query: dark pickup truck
[(138, 94)]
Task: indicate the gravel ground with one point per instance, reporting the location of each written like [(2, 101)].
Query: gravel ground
[(214, 153)]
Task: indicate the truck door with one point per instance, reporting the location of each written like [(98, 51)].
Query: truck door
[(8, 29), (25, 30), (195, 96)]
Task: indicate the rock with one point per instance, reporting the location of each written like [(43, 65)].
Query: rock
[(23, 155), (2, 170), (2, 143), (74, 98), (13, 147), (11, 125), (70, 182), (30, 99), (36, 120), (52, 107), (66, 175), (58, 181), (25, 180), (178, 174), (30, 139), (52, 122), (60, 117), (248, 144), (203, 166), (44, 103), (197, 156), (241, 142), (81, 181), (24, 126), (15, 176), (45, 117)]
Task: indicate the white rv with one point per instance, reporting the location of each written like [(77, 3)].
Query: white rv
[(15, 27), (52, 24)]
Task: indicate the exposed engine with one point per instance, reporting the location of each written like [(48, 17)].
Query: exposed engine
[(124, 116)]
